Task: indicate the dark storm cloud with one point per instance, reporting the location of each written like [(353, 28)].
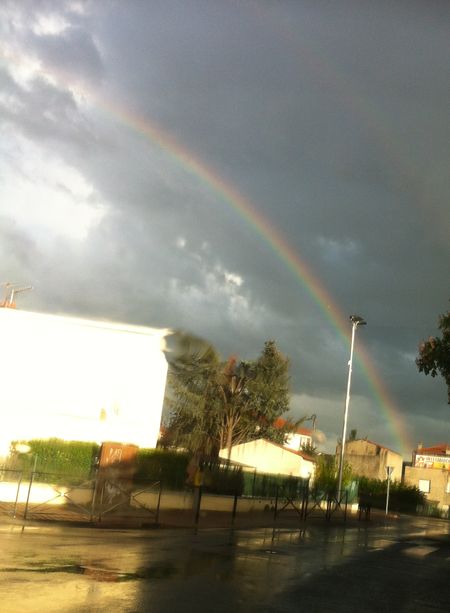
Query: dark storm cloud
[(331, 119), (46, 113), (73, 53)]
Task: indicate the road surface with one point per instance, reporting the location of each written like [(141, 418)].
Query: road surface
[(403, 565)]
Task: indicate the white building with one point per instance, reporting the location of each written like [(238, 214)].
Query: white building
[(430, 472), (297, 439), (268, 457), (78, 379)]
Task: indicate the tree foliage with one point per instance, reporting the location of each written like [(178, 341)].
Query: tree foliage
[(310, 449), (192, 402), (326, 477), (434, 354), (215, 405), (268, 387)]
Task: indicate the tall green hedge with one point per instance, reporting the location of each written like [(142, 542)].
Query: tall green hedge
[(57, 457), (62, 460), (402, 498), (162, 465), (67, 462)]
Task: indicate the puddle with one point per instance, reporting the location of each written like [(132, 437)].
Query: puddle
[(98, 574)]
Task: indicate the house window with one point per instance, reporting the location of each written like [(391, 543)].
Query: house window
[(447, 489), (424, 485)]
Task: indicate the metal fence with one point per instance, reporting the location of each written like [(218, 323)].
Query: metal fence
[(52, 496), (40, 495)]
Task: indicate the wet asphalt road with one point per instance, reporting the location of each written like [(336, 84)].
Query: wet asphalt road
[(401, 566)]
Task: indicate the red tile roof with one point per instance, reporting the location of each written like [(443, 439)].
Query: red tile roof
[(280, 423), (441, 449)]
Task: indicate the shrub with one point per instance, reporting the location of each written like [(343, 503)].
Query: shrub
[(402, 498), (326, 477)]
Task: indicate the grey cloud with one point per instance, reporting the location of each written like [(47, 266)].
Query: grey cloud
[(330, 120), (73, 54), (44, 112)]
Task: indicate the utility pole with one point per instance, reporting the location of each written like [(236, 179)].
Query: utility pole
[(356, 321), (389, 471)]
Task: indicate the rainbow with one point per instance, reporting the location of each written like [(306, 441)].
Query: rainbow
[(263, 227), (280, 247)]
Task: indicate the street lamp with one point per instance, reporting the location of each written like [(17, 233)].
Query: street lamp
[(356, 321), (389, 471)]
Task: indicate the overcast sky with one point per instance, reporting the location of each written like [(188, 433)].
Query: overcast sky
[(331, 118)]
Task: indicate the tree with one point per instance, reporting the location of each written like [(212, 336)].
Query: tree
[(192, 401), (215, 405), (434, 354), (326, 476), (268, 388), (235, 420)]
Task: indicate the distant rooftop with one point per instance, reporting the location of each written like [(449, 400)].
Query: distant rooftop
[(374, 443), (440, 449), (280, 423)]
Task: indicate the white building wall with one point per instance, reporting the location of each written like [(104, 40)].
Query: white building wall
[(296, 441), (79, 379), (270, 458)]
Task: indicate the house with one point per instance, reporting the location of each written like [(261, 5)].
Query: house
[(369, 459), (268, 457), (297, 439), (430, 472), (79, 379)]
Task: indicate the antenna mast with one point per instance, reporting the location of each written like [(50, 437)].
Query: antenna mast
[(11, 290)]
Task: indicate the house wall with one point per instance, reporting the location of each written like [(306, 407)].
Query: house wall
[(269, 458), (78, 379), (370, 460), (439, 482)]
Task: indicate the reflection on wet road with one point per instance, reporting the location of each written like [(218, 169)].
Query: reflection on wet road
[(399, 566)]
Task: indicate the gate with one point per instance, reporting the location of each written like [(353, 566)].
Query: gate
[(116, 500), (327, 505), (292, 494)]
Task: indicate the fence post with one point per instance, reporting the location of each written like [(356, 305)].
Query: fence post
[(305, 498), (276, 503), (198, 491), (17, 495), (233, 514), (159, 503), (328, 511), (28, 495), (94, 495)]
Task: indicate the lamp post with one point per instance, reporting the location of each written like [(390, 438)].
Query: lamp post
[(356, 321), (389, 471)]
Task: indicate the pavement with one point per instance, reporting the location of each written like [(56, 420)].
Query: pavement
[(133, 518)]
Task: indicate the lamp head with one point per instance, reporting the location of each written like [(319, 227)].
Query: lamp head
[(357, 320)]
